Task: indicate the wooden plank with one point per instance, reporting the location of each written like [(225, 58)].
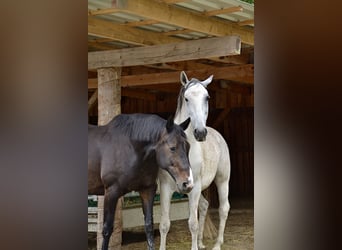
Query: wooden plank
[(124, 33), (238, 59), (246, 22), (141, 23), (242, 73), (138, 94), (102, 11), (189, 50), (174, 15), (224, 11)]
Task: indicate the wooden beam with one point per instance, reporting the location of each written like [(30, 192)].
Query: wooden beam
[(243, 73), (141, 23), (223, 11), (92, 100), (102, 11), (123, 33), (100, 46), (175, 15), (190, 65), (246, 22), (172, 1), (189, 50), (176, 32), (238, 59), (138, 94)]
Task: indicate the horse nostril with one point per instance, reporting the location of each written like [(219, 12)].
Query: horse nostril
[(187, 186)]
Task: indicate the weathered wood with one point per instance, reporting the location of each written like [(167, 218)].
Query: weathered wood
[(246, 22), (242, 73), (127, 34), (224, 11), (109, 94), (109, 105), (174, 15), (173, 52)]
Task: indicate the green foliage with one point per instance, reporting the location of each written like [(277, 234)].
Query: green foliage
[(248, 1)]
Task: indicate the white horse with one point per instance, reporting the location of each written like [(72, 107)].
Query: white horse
[(209, 160)]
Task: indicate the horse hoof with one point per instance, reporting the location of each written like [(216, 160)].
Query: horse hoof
[(201, 246)]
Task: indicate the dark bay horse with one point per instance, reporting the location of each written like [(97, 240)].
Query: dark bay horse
[(126, 155)]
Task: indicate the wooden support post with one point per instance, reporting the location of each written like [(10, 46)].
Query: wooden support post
[(109, 105)]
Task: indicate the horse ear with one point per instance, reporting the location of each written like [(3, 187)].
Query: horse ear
[(206, 82), (183, 78), (184, 125), (169, 124)]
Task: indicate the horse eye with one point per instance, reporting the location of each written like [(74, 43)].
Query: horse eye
[(208, 97), (186, 99), (173, 149)]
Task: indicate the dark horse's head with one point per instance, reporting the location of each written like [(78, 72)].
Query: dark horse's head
[(172, 154)]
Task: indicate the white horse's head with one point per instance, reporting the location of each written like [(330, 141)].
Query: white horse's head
[(195, 99)]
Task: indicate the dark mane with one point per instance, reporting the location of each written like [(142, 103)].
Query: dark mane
[(180, 99), (140, 127)]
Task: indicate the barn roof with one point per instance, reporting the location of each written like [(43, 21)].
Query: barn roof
[(123, 24)]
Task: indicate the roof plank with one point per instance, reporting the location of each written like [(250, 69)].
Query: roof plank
[(127, 34), (175, 15)]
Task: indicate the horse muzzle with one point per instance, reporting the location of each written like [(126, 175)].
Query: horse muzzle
[(200, 135), (186, 187)]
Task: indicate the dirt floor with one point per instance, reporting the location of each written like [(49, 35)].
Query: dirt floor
[(239, 233)]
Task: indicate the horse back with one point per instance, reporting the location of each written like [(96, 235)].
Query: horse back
[(116, 160)]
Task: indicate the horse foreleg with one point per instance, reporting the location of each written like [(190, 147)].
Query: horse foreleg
[(147, 197), (110, 200), (202, 211), (164, 225), (222, 189), (194, 197)]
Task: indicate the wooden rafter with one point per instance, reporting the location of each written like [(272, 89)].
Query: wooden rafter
[(223, 11), (101, 46), (173, 52), (243, 73), (102, 11), (172, 1), (141, 23), (138, 94), (92, 99), (176, 32), (238, 59), (246, 22), (106, 29), (177, 16)]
